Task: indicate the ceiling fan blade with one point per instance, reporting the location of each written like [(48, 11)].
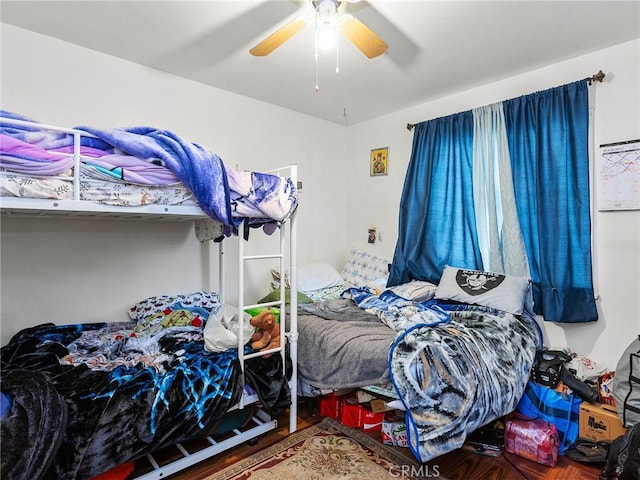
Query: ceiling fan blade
[(363, 37), (277, 38)]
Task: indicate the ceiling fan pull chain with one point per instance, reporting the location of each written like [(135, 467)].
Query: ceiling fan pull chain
[(316, 54), (337, 47), (317, 74)]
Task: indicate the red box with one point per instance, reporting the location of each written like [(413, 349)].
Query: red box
[(371, 421), (331, 406), (357, 415), (351, 413)]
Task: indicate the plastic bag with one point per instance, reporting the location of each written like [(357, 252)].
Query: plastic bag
[(558, 408), (536, 439), (221, 331)]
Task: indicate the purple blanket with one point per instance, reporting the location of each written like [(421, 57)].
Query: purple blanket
[(22, 157)]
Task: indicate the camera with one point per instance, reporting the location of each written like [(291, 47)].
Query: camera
[(549, 369)]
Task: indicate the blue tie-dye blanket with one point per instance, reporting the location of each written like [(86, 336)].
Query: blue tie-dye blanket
[(456, 367), (129, 390)]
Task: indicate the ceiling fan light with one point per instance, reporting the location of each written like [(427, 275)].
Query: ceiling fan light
[(326, 36), (326, 24)]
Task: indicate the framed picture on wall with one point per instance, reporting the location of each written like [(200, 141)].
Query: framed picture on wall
[(379, 161)]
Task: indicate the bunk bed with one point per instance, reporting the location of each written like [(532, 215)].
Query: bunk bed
[(85, 397)]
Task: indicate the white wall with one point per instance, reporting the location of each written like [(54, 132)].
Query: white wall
[(375, 200), (86, 270), (111, 264)]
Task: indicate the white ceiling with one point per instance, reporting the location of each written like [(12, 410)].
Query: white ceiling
[(435, 48)]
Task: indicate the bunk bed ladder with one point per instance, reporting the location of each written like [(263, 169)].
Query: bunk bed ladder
[(261, 422), (289, 334)]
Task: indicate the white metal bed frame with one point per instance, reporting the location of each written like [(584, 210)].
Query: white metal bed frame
[(261, 422)]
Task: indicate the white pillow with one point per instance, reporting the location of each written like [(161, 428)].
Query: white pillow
[(318, 275), (415, 290), (489, 289)]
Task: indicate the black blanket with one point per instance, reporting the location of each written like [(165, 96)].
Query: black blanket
[(125, 396), (32, 430)]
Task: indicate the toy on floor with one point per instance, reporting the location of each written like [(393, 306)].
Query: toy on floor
[(267, 334)]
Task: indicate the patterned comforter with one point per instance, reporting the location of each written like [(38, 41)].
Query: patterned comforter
[(458, 375)]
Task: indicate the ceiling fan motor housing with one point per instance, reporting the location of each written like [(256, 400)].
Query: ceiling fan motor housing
[(331, 14)]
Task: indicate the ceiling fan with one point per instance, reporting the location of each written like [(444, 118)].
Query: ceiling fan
[(331, 13)]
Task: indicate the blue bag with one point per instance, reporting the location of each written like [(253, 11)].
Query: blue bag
[(561, 409)]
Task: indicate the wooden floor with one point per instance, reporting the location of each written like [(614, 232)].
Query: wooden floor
[(458, 465)]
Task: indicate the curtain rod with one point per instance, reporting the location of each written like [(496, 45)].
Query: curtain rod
[(598, 77)]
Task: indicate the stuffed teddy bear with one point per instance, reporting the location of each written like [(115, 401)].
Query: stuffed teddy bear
[(267, 334)]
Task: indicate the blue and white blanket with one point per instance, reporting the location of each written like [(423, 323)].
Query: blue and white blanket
[(396, 312), (456, 367)]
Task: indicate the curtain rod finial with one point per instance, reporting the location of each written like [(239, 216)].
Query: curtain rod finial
[(409, 126), (598, 77)]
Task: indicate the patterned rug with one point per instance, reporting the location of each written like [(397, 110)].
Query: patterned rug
[(326, 451)]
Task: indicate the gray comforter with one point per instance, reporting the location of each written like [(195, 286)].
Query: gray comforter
[(342, 346)]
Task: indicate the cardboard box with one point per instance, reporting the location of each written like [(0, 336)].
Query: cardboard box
[(599, 422), (371, 420), (331, 406), (394, 429), (379, 406), (351, 415), (372, 396), (360, 416), (364, 396)]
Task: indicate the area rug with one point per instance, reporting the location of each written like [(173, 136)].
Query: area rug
[(326, 451)]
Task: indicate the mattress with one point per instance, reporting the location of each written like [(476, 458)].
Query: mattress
[(107, 192)]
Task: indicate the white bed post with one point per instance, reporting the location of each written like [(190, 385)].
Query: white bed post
[(293, 302), (76, 166), (241, 342)]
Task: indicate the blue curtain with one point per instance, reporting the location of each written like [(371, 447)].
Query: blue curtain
[(437, 220), (548, 143)]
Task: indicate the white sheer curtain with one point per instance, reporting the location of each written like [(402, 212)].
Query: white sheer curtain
[(499, 234)]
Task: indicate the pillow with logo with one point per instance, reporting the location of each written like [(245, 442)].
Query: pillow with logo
[(489, 289)]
